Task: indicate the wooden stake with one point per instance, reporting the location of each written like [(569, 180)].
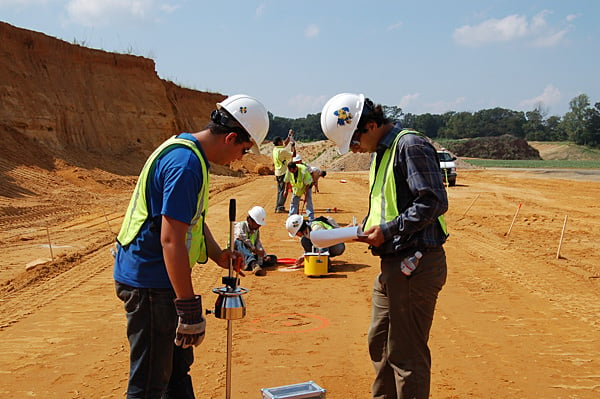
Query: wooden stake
[(513, 221), (561, 237), (472, 202), (49, 243), (107, 222)]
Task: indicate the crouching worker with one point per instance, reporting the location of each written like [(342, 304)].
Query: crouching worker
[(298, 227), (247, 241)]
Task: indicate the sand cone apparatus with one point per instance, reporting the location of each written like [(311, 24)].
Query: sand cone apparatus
[(316, 263), (230, 303)]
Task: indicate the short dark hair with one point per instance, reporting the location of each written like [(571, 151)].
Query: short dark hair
[(303, 226), (371, 113), (292, 165), (277, 140), (323, 173), (221, 122)]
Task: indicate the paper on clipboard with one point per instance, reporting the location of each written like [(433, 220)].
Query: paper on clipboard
[(327, 238)]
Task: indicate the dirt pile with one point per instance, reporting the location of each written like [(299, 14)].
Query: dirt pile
[(502, 147), (324, 155)]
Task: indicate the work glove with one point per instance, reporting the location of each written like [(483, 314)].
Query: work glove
[(192, 325)]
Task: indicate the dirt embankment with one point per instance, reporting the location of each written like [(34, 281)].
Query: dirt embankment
[(84, 105)]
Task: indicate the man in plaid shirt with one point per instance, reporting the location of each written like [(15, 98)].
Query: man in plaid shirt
[(406, 206)]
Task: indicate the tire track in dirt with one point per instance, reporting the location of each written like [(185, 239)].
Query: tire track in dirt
[(537, 307), (29, 299)]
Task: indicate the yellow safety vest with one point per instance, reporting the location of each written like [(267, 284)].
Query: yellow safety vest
[(322, 224), (278, 163), (304, 179), (252, 236), (383, 204), (137, 211)]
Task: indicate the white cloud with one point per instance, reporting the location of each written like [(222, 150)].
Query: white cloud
[(394, 26), (492, 30), (102, 12), (441, 107), (260, 10), (412, 103), (169, 8), (8, 3), (408, 99), (550, 40), (536, 32), (571, 17), (304, 104), (550, 96), (311, 31), (538, 21)]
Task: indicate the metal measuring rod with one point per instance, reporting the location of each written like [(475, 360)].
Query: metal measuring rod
[(230, 304)]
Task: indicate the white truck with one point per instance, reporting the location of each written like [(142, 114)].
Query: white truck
[(448, 167)]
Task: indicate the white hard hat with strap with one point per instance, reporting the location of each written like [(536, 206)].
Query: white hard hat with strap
[(251, 114), (339, 118)]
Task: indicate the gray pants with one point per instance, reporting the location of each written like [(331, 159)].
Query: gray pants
[(402, 315), (281, 193)]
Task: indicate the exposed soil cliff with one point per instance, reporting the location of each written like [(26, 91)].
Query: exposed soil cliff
[(86, 105)]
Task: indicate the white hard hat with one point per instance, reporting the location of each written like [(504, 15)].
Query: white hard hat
[(339, 118), (293, 224), (251, 114), (297, 158), (258, 214)]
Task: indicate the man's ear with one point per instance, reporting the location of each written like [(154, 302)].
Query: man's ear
[(230, 138)]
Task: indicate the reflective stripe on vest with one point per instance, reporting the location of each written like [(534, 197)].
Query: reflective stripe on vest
[(137, 211), (299, 185), (322, 224), (383, 204)]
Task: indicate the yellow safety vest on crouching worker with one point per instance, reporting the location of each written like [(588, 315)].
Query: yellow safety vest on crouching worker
[(383, 206), (137, 211), (325, 225)]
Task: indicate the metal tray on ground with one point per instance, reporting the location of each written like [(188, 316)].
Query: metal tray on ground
[(303, 390)]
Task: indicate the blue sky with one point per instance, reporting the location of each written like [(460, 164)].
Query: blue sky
[(423, 56)]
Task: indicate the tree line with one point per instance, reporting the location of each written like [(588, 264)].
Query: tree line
[(581, 124)]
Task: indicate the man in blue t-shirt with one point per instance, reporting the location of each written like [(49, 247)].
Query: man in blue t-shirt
[(164, 235)]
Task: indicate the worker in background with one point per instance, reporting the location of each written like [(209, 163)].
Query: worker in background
[(316, 174), (247, 241), (281, 157), (298, 227), (300, 181)]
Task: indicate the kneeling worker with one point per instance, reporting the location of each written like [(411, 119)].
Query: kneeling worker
[(247, 241), (297, 226)]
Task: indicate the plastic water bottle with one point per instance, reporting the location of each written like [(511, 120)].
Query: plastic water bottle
[(410, 263)]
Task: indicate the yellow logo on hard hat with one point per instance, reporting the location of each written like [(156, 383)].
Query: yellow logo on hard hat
[(243, 110), (344, 116)]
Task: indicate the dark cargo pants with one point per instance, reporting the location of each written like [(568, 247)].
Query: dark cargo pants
[(402, 315)]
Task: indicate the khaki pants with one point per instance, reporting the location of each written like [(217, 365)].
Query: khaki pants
[(402, 315)]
